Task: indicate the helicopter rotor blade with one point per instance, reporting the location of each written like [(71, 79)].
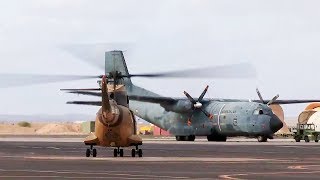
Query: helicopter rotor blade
[(94, 54), (242, 70), (14, 80)]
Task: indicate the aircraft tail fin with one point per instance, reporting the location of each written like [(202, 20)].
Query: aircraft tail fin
[(114, 61)]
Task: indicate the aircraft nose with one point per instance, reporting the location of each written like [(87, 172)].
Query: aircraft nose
[(275, 124)]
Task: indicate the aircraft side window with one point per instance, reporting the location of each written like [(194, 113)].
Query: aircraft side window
[(260, 111)]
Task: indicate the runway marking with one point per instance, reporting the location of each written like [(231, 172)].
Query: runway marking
[(110, 174), (234, 176), (75, 177), (30, 176), (302, 167), (56, 148), (155, 159)]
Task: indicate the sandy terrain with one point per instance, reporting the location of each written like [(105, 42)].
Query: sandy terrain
[(41, 129)]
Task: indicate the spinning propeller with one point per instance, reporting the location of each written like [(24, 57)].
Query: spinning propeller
[(197, 105)]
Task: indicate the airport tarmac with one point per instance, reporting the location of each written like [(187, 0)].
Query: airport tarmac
[(34, 158)]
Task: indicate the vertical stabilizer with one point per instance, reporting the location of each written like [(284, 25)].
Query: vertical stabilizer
[(114, 61)]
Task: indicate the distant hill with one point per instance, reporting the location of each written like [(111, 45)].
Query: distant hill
[(46, 118), (53, 118)]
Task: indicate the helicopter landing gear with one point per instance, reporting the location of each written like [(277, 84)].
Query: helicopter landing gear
[(117, 152), (91, 151), (136, 151)]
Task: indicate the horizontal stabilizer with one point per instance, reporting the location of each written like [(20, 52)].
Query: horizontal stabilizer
[(135, 139), (92, 139)]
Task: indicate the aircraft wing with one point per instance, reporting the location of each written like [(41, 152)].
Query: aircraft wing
[(172, 100), (151, 99), (159, 100), (291, 101)]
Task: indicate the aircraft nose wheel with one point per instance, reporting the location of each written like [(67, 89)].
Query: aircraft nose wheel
[(136, 151), (91, 151), (117, 152)]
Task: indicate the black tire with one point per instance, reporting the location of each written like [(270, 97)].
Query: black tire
[(191, 138), (306, 139), (262, 139), (88, 153), (133, 153), (121, 152), (223, 139), (94, 153), (140, 152), (316, 140), (115, 153), (180, 138), (297, 139), (210, 138)]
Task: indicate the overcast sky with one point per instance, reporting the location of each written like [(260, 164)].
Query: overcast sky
[(280, 38)]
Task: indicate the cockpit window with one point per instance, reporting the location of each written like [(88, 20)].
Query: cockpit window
[(258, 111)]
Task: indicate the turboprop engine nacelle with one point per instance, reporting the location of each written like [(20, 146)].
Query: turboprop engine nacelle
[(182, 106)]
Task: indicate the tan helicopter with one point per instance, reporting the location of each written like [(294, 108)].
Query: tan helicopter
[(115, 124)]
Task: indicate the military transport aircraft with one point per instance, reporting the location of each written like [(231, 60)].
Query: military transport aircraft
[(189, 117), (185, 118)]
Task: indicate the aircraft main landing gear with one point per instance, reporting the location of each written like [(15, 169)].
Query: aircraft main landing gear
[(217, 138), (117, 152), (137, 150), (91, 151), (186, 138), (262, 139)]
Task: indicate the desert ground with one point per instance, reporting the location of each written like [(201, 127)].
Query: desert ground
[(40, 128)]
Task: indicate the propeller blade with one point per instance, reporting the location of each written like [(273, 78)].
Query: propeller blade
[(205, 112), (94, 54), (259, 94), (243, 70), (189, 97), (203, 93), (273, 99), (14, 80)]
